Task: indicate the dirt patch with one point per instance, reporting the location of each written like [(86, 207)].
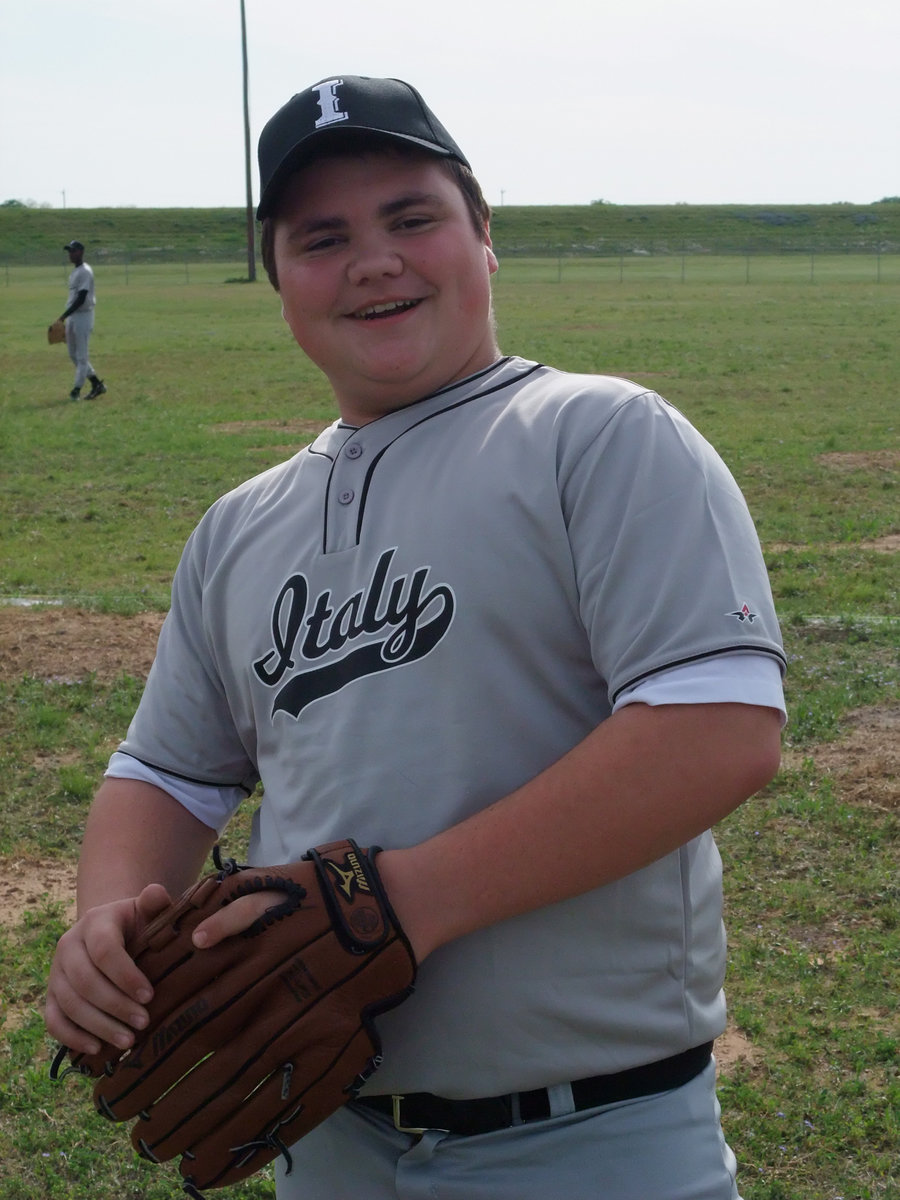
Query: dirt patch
[(31, 884), (68, 645), (865, 762), (65, 645), (731, 1048), (849, 460), (889, 544)]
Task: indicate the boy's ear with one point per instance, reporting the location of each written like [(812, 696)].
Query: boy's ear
[(493, 264)]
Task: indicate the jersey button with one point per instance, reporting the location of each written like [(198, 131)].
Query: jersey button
[(346, 496), (354, 450)]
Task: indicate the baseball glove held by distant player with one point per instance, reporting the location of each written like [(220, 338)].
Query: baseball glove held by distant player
[(56, 332), (255, 1041)]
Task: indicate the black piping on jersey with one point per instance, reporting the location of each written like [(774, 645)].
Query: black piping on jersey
[(737, 648), (469, 399), (186, 778)]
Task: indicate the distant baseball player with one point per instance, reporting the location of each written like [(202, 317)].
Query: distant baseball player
[(511, 624), (79, 319)]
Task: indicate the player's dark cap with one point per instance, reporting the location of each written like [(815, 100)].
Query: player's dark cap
[(73, 246), (338, 105)]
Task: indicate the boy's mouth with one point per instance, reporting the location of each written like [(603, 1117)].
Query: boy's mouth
[(387, 309)]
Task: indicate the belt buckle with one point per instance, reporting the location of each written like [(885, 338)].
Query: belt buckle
[(415, 1131)]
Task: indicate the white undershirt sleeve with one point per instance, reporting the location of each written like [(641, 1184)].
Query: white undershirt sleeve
[(213, 805), (720, 679)]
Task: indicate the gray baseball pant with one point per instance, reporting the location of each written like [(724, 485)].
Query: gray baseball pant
[(667, 1146), (78, 336)]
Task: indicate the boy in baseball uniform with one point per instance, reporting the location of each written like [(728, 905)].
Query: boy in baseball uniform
[(79, 319), (509, 623)]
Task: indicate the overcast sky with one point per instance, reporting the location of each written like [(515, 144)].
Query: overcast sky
[(139, 102)]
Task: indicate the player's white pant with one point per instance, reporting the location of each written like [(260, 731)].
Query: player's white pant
[(668, 1146), (78, 336)]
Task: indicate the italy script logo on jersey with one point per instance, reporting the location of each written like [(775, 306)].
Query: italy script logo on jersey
[(338, 634)]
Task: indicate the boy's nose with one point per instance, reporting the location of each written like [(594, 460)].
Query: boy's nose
[(374, 261)]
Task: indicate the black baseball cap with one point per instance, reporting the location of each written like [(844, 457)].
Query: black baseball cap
[(342, 103), (74, 246)]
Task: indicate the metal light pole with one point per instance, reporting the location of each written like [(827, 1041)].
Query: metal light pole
[(251, 227)]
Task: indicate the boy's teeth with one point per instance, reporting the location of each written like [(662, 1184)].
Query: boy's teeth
[(377, 309)]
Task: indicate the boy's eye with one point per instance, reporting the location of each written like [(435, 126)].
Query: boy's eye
[(322, 243), (414, 222)]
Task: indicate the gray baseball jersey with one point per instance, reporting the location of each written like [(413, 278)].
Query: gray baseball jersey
[(408, 620), (81, 279)]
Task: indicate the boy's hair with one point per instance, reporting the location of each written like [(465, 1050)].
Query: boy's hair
[(351, 144)]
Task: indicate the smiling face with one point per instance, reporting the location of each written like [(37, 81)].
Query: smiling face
[(384, 281)]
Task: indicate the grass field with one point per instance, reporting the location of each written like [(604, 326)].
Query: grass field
[(793, 378)]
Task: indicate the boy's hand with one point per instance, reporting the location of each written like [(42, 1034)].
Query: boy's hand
[(96, 993)]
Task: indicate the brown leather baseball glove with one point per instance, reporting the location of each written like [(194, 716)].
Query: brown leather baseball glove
[(56, 332), (253, 1042)]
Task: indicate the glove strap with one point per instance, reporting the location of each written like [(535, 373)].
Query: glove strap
[(353, 894)]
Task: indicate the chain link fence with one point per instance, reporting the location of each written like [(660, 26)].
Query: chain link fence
[(763, 259)]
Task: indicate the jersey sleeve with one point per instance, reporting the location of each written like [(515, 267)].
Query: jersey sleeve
[(667, 557), (185, 724)]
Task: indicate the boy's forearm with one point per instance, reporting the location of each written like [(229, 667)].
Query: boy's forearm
[(138, 834), (642, 784)]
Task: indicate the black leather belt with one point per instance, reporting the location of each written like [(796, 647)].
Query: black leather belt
[(420, 1111)]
